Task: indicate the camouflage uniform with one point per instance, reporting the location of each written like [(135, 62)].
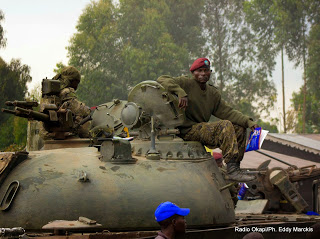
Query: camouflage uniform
[(229, 134), (230, 138), (70, 78), (203, 101), (78, 109)]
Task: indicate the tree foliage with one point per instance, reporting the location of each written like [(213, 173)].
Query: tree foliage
[(13, 79), (270, 126), (2, 38), (119, 46), (301, 34), (262, 17), (59, 67), (313, 62), (313, 87), (242, 65), (312, 112), (288, 24)]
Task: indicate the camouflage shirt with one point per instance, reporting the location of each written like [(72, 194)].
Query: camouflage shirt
[(70, 101), (202, 103), (67, 93)]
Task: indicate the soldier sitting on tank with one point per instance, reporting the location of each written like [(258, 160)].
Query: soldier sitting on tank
[(201, 100), (171, 220), (70, 79)]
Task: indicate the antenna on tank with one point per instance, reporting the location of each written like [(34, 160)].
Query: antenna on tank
[(153, 153)]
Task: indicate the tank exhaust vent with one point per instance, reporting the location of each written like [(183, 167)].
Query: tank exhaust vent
[(9, 195)]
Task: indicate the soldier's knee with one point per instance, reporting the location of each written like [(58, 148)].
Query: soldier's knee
[(239, 129), (226, 124)]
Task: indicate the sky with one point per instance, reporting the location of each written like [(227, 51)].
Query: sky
[(38, 32)]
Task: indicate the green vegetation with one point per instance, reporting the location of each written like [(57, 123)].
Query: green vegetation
[(312, 124), (242, 72), (2, 38), (117, 47), (293, 26), (14, 76)]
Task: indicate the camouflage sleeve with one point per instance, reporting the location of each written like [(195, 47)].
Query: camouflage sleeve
[(79, 108), (173, 84), (67, 94)]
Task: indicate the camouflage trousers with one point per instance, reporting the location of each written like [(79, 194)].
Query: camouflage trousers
[(230, 138)]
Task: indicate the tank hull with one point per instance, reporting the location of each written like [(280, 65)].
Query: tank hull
[(64, 184)]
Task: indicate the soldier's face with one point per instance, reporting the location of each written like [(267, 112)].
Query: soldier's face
[(202, 75)]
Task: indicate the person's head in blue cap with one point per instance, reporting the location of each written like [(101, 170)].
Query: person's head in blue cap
[(171, 219)]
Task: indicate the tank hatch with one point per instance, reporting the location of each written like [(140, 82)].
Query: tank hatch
[(149, 100), (152, 114)]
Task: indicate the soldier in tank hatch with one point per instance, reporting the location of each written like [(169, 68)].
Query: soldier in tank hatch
[(70, 79), (201, 100), (171, 220)]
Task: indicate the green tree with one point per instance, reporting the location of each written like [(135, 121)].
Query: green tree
[(298, 30), (312, 120), (312, 124), (20, 130), (292, 14), (96, 51), (2, 38), (59, 67), (14, 77), (292, 119), (270, 126), (313, 65), (288, 22), (241, 70), (150, 50), (119, 46), (260, 14)]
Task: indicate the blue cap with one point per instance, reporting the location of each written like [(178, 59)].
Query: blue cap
[(311, 213), (168, 209)]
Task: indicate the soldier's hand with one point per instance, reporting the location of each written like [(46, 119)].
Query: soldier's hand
[(183, 102), (255, 126)]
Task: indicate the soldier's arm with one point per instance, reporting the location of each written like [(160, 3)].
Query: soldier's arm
[(173, 85), (226, 112), (67, 94)]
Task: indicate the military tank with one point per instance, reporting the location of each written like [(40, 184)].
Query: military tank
[(110, 185)]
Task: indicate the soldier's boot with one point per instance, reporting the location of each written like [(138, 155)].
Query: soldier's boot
[(234, 173)]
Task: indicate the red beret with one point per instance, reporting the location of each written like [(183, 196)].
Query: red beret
[(200, 62)]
